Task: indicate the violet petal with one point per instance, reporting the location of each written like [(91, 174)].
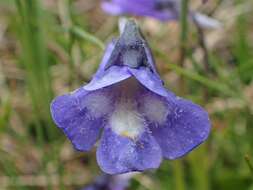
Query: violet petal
[(117, 154), (70, 117), (187, 126)]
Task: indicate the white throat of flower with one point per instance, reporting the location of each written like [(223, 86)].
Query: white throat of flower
[(126, 119), (129, 116)]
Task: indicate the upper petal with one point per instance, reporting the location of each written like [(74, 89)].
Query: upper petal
[(151, 81), (117, 154), (71, 115), (130, 49), (129, 56), (186, 127), (112, 75)]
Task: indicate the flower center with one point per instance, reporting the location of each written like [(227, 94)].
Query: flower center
[(128, 107), (126, 119)]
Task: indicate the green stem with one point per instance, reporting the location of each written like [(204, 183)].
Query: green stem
[(184, 23), (183, 40), (178, 169), (65, 13), (214, 85), (249, 163), (199, 167), (77, 31)]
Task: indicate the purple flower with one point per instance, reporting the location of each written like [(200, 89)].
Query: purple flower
[(141, 121), (108, 182), (160, 9), (163, 10)]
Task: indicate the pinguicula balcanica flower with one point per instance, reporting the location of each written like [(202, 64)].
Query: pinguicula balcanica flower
[(163, 10), (141, 121)]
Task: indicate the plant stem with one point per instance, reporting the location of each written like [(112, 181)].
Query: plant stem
[(183, 40), (64, 7), (249, 163), (214, 85), (79, 32), (179, 182), (199, 167)]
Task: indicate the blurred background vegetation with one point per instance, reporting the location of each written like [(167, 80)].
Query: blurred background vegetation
[(50, 47)]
